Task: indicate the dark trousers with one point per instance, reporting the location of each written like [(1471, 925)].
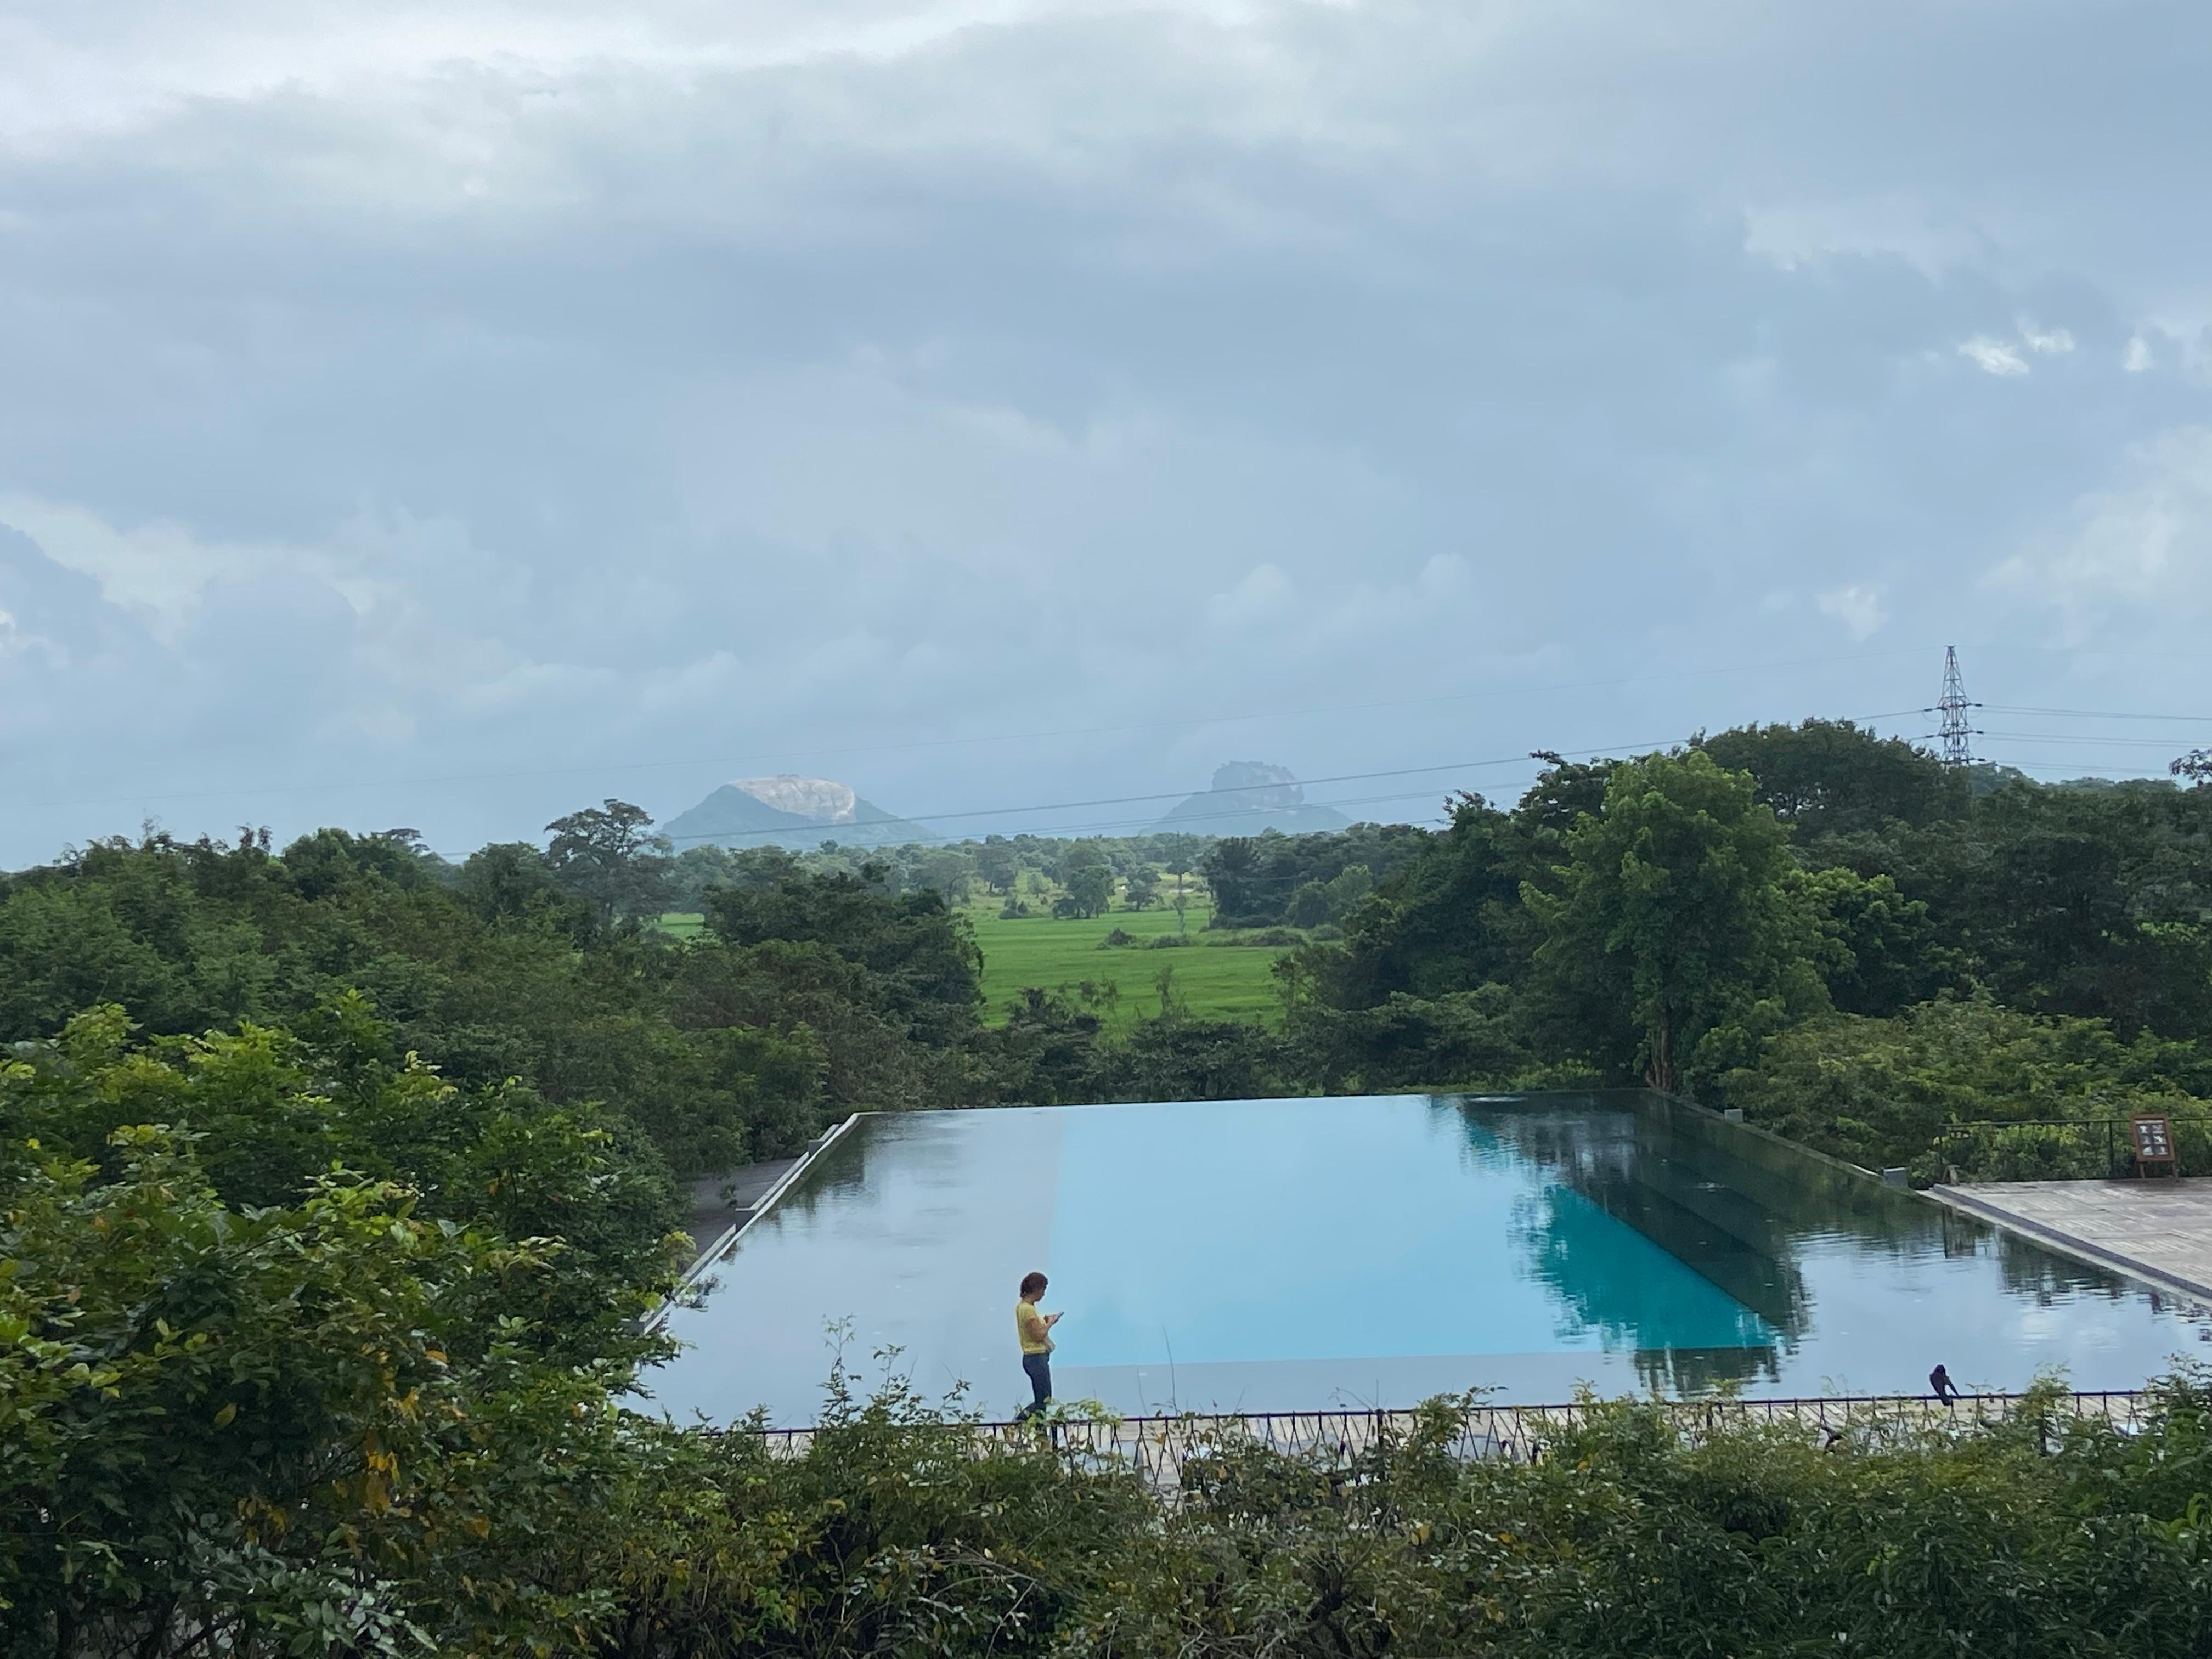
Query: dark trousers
[(1038, 1366)]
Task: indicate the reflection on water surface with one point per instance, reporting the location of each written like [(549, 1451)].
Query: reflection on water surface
[(1278, 1255)]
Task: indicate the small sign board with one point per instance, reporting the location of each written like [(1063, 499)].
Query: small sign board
[(2152, 1137)]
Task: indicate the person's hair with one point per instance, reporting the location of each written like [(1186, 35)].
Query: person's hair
[(1033, 1285)]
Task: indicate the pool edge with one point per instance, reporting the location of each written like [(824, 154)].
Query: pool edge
[(727, 1240), (2066, 1244)]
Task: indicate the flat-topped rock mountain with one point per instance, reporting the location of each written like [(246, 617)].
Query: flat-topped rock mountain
[(1248, 797), (791, 812)]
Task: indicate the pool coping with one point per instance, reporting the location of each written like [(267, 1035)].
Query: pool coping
[(727, 1239), (1991, 1213), (2066, 1244)]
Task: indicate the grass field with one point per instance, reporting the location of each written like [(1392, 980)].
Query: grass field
[(1214, 982)]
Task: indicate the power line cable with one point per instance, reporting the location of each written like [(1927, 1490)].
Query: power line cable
[(925, 818), (2094, 714), (2064, 737), (1005, 736)]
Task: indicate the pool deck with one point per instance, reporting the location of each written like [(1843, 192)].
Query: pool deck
[(2156, 1231)]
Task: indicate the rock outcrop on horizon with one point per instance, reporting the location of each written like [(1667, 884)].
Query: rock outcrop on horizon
[(1248, 797), (791, 813)]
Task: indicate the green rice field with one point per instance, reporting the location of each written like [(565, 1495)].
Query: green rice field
[(1213, 982)]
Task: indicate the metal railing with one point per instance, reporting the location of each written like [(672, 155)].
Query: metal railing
[(2059, 1149), (1160, 1449)]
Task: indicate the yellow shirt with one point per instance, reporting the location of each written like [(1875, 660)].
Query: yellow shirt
[(1029, 1325)]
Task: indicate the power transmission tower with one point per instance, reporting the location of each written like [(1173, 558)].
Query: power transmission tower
[(1956, 735)]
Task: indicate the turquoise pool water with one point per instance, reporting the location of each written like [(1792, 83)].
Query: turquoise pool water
[(1292, 1253)]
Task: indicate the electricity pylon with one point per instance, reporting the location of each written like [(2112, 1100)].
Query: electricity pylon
[(1954, 734)]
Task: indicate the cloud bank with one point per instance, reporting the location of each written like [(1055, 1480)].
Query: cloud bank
[(445, 416)]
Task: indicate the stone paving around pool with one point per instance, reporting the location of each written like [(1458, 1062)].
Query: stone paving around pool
[(2159, 1229)]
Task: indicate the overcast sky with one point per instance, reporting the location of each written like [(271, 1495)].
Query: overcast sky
[(446, 415)]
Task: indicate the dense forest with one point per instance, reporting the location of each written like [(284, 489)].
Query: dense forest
[(334, 1178)]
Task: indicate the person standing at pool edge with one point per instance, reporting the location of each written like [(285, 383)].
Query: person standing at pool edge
[(1035, 1330)]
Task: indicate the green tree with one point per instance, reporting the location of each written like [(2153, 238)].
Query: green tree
[(1449, 921), (327, 861), (1346, 888), (2077, 902), (996, 863), (1676, 907), (1142, 889), (604, 856), (511, 883), (1181, 861), (1309, 905), (1464, 1039), (947, 871), (1828, 777), (1090, 888), (269, 1111), (1564, 792), (1234, 877), (176, 930), (1884, 951), (919, 962), (1255, 879), (1878, 1091), (296, 1429)]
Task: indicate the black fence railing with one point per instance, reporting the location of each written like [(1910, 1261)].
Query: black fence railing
[(2061, 1149), (1162, 1450)]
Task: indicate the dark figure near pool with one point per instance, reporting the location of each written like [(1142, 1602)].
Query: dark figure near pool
[(1939, 1380), (1035, 1330)]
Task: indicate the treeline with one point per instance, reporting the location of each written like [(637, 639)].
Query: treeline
[(1304, 881), (812, 991), (805, 997), (1827, 929), (1267, 881), (1016, 868)]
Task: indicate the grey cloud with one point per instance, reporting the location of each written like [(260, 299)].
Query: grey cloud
[(532, 399)]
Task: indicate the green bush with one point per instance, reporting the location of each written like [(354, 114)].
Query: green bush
[(1881, 1091)]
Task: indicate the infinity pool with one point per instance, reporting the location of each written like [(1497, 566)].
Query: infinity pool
[(1279, 1255)]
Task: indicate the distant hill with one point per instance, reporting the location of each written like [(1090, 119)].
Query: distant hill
[(1248, 797), (789, 811)]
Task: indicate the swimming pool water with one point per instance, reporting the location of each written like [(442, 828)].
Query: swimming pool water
[(1284, 1255)]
